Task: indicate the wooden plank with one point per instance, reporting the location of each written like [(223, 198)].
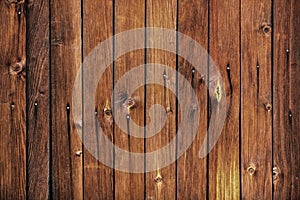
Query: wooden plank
[(130, 14), (161, 184), (286, 135), (224, 166), (38, 107), (12, 100), (65, 63), (256, 102), (192, 171), (98, 26)]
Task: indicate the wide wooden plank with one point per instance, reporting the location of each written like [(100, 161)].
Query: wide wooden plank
[(224, 166), (161, 184), (98, 26), (65, 63), (12, 100), (191, 170), (38, 102), (256, 102), (130, 14), (286, 135)]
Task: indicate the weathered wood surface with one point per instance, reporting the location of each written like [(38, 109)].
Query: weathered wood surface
[(129, 15), (286, 124), (224, 165), (255, 45), (38, 100), (66, 180), (256, 99), (13, 100)]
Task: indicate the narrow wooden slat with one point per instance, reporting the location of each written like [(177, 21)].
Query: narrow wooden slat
[(191, 170), (12, 100), (98, 26), (38, 111), (256, 114), (161, 184), (224, 43), (65, 63), (286, 125), (130, 14)]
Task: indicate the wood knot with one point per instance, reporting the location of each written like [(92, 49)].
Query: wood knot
[(251, 169), (130, 103), (158, 179), (276, 173), (265, 28), (107, 112), (268, 107), (78, 153), (169, 110), (16, 69)]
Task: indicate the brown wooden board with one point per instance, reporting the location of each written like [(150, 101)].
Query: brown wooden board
[(97, 27), (161, 184), (38, 102), (286, 138), (13, 100), (224, 166), (256, 102), (129, 15), (191, 170), (65, 63)]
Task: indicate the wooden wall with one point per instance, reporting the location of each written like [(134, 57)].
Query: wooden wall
[(256, 46)]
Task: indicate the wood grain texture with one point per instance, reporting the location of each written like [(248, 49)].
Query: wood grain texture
[(98, 26), (65, 63), (130, 14), (161, 184), (256, 115), (224, 166), (38, 102), (191, 170), (12, 100), (286, 95)]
